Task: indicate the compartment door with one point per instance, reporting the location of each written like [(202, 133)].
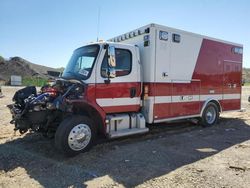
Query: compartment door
[(162, 67)]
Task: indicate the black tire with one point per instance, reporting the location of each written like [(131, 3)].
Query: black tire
[(65, 142), (210, 115)]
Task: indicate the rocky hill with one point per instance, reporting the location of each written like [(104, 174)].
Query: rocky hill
[(246, 75), (24, 68)]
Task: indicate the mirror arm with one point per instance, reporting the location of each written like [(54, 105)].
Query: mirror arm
[(108, 80), (105, 46)]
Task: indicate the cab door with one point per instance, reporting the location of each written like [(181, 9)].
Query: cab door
[(121, 93)]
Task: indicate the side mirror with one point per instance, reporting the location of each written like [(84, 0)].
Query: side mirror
[(111, 56)]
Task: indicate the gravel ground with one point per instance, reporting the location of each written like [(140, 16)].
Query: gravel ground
[(178, 154)]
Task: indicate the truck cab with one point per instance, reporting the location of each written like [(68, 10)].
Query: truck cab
[(112, 76), (112, 73), (112, 69)]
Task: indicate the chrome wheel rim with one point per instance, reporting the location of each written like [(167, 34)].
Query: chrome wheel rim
[(79, 137), (210, 115)]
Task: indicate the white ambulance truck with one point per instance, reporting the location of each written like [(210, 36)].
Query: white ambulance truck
[(149, 75), (156, 74)]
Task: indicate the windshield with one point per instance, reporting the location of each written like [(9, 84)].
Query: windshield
[(81, 63)]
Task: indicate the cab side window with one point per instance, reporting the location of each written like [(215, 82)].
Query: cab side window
[(123, 63)]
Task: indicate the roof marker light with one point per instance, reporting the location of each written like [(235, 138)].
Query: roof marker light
[(147, 30)]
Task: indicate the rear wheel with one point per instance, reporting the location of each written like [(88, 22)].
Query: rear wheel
[(210, 115), (74, 135)]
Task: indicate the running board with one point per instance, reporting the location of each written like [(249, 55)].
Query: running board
[(127, 132)]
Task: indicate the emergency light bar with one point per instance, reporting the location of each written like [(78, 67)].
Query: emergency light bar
[(129, 35)]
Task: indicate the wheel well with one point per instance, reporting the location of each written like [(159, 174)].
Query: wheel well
[(93, 114), (216, 102)]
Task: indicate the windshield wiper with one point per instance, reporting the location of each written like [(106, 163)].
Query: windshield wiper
[(74, 77)]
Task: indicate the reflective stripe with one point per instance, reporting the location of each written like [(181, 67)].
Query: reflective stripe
[(231, 96), (193, 98), (185, 98), (164, 99), (217, 97), (118, 101)]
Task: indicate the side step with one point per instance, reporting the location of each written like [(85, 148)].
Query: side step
[(119, 125), (127, 132)]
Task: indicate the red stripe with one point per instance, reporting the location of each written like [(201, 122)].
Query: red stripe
[(169, 89), (119, 109), (172, 89), (116, 90)]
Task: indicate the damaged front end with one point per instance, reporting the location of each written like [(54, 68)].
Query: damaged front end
[(43, 111)]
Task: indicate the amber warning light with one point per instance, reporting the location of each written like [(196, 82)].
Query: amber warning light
[(146, 91)]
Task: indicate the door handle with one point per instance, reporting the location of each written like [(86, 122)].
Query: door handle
[(132, 92)]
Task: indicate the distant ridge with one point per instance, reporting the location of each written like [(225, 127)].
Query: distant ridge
[(246, 75), (24, 68)]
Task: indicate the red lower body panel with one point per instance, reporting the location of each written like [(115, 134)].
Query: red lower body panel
[(169, 110), (232, 104), (172, 110)]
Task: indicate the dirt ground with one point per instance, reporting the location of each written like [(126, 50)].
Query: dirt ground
[(171, 155)]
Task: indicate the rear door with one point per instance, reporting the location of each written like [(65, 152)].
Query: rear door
[(122, 94), (232, 77), (231, 86)]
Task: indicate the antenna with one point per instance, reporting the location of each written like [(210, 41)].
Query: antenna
[(98, 24)]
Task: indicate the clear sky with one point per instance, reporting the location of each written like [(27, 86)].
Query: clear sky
[(47, 31)]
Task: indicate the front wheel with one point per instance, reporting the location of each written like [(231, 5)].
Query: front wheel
[(74, 135), (210, 115)]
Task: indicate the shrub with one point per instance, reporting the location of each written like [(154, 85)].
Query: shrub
[(1, 59), (34, 81)]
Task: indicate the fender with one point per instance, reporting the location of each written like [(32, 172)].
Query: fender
[(84, 106), (210, 100)]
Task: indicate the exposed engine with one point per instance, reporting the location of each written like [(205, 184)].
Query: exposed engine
[(43, 111)]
